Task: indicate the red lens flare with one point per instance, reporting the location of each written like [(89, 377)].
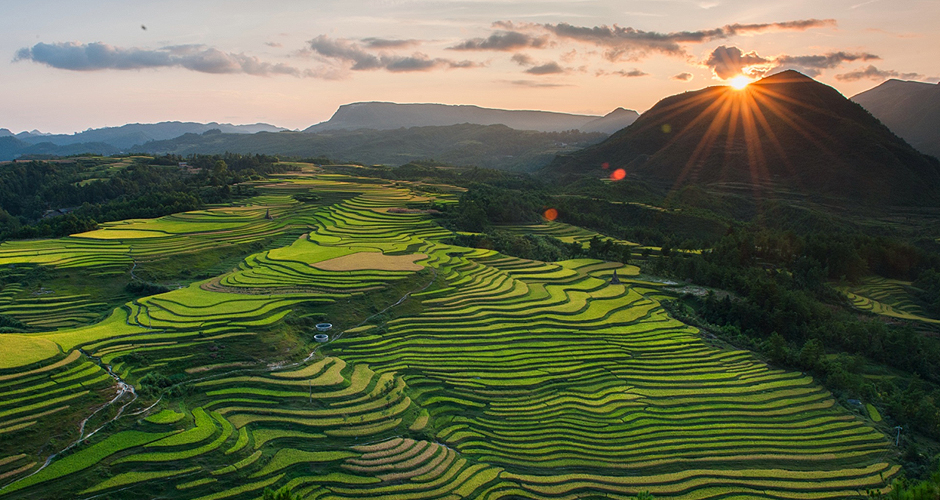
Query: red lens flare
[(618, 174), (551, 214), (605, 165)]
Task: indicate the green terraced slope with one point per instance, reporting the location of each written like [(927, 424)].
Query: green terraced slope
[(494, 378)]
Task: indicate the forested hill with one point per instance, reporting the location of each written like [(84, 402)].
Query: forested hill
[(57, 198), (492, 146)]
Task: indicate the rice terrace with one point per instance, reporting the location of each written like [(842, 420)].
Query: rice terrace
[(450, 371)]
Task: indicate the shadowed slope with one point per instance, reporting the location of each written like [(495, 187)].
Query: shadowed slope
[(785, 131)]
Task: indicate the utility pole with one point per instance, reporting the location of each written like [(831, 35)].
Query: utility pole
[(898, 439)]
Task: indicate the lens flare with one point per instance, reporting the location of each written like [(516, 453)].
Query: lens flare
[(551, 214), (605, 165), (618, 174)]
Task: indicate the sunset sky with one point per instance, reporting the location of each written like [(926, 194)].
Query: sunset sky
[(75, 65)]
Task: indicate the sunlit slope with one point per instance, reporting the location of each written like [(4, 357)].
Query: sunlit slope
[(508, 378)]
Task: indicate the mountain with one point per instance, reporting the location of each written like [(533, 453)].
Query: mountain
[(11, 148), (611, 122), (910, 109), (784, 133), (5, 132), (494, 146), (388, 115), (125, 136)]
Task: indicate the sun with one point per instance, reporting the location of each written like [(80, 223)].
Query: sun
[(739, 82)]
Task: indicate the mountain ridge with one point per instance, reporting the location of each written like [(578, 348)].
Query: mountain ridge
[(910, 109), (379, 115), (125, 136)]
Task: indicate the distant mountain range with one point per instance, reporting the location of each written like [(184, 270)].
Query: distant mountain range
[(388, 115), (11, 148), (125, 136), (339, 139), (493, 146), (784, 133), (910, 109)]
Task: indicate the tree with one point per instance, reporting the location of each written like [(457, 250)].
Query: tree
[(811, 354), (281, 494), (777, 349), (219, 168)]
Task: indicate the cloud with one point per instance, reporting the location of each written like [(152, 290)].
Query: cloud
[(346, 51), (503, 41), (634, 73), (630, 43), (530, 83), (100, 56), (354, 54), (550, 68), (276, 45), (728, 62), (873, 73), (522, 60), (385, 43), (811, 65), (683, 77)]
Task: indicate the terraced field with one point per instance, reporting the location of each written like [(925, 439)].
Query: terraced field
[(886, 297), (493, 377)]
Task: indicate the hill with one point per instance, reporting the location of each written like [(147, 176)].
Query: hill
[(11, 148), (388, 115), (494, 146), (784, 133), (593, 389), (125, 136), (910, 109)]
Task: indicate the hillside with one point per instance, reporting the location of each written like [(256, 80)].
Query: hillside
[(494, 146), (388, 115), (591, 388), (909, 109), (125, 136), (12, 148), (785, 132)]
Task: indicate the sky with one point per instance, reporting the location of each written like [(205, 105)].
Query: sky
[(71, 66)]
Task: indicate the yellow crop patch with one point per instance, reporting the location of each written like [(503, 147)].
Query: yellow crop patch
[(372, 260)]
